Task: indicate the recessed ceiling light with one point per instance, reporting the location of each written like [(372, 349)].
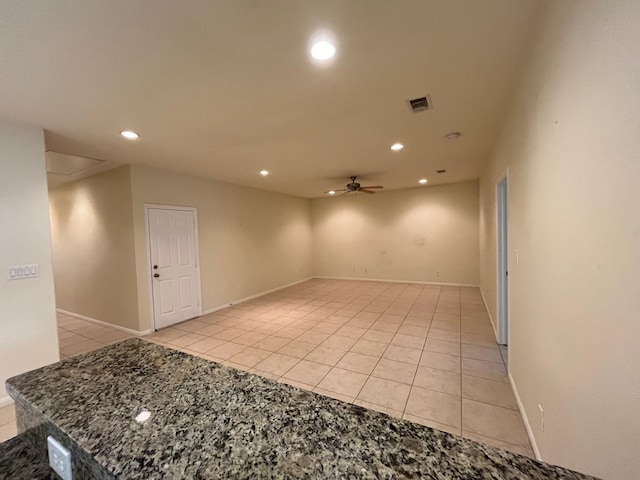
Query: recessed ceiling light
[(453, 136), (129, 134), (396, 147), (422, 181), (323, 50), (331, 192), (264, 173)]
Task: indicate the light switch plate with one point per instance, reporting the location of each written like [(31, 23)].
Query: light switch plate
[(16, 272), (59, 459)]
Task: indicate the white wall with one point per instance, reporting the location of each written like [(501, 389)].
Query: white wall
[(93, 248), (250, 240), (399, 235), (28, 333), (572, 145)]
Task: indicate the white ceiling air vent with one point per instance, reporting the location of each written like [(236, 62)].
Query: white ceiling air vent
[(420, 104)]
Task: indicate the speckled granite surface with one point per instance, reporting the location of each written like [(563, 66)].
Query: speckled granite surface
[(212, 421), (18, 460)]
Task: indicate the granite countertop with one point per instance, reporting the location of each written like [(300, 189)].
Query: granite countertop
[(212, 421), (19, 460)]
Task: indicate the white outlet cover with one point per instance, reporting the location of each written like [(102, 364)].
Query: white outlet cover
[(59, 458)]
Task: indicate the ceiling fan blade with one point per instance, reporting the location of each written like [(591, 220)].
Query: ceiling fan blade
[(348, 191), (366, 191), (339, 190), (373, 186)]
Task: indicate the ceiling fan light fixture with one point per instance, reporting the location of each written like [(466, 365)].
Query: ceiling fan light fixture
[(331, 192)]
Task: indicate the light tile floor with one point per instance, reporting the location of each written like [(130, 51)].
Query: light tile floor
[(75, 337), (7, 422), (419, 352)]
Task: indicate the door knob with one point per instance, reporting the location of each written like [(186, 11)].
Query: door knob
[(155, 267), (156, 275)]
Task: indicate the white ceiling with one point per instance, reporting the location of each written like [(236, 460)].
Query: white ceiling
[(223, 89)]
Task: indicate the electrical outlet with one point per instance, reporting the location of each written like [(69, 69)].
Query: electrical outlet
[(541, 417), (59, 459), (437, 273)]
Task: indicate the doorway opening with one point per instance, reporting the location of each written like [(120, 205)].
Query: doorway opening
[(502, 197), (174, 264)]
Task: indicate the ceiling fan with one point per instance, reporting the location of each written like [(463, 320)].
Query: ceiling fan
[(356, 187)]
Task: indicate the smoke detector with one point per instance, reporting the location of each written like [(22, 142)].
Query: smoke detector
[(453, 136), (420, 104)]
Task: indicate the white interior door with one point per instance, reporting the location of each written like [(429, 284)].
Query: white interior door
[(174, 265), (503, 261)]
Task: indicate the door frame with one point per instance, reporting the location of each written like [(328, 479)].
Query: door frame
[(503, 287), (147, 207)]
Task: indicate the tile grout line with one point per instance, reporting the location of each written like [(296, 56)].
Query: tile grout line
[(404, 412), (382, 356), (332, 366), (421, 350), (461, 397), (358, 339)]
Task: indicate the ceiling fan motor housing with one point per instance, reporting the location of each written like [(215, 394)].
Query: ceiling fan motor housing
[(355, 187)]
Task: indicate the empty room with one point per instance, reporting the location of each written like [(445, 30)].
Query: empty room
[(304, 239)]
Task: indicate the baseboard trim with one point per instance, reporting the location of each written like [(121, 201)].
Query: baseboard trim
[(104, 324), (4, 401), (415, 282), (486, 306), (525, 419), (257, 295), (523, 414)]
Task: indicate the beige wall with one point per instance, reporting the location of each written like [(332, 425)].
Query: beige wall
[(93, 250), (572, 146), (251, 241), (399, 235), (28, 334)]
